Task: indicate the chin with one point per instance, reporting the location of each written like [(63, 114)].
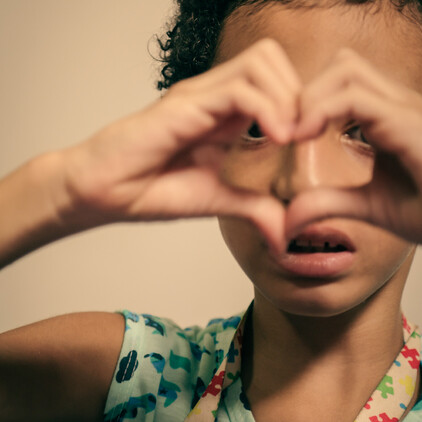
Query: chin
[(316, 304), (314, 310)]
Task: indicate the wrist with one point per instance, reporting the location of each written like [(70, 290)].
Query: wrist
[(34, 207)]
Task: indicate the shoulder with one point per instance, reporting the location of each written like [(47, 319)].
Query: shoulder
[(163, 369), (60, 368)]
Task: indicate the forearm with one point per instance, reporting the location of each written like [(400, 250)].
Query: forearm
[(32, 205)]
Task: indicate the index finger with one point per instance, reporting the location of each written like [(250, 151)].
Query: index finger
[(272, 52), (347, 68)]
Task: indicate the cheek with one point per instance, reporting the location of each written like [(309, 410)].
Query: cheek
[(244, 242), (380, 274), (384, 257), (239, 235)]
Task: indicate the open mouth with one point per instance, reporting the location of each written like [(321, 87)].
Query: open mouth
[(321, 240), (319, 252), (309, 246)]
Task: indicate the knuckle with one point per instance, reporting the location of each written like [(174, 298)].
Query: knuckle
[(297, 91), (270, 44), (349, 74), (350, 69), (351, 60), (308, 97), (249, 66), (350, 90), (179, 87), (291, 107), (253, 71), (237, 91), (346, 53), (267, 46), (238, 86)]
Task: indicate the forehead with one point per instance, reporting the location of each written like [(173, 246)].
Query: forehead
[(311, 36)]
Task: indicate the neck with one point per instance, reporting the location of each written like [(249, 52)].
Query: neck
[(338, 359)]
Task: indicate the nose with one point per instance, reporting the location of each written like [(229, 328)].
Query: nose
[(321, 162)]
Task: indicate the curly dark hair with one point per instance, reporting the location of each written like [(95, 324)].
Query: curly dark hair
[(189, 46)]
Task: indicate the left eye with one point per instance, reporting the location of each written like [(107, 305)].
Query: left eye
[(355, 132), (254, 133)]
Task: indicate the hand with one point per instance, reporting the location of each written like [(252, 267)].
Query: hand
[(163, 163), (390, 116)]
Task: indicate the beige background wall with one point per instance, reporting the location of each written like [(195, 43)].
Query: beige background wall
[(67, 68)]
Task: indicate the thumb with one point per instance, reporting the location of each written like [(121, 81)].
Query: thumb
[(265, 212), (322, 203)]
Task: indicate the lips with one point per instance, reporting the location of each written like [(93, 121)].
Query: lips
[(318, 252)]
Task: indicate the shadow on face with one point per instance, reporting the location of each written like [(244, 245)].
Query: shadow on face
[(311, 37)]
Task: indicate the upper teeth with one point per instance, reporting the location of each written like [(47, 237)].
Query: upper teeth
[(315, 244)]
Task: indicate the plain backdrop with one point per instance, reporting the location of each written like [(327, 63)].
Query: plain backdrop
[(68, 68)]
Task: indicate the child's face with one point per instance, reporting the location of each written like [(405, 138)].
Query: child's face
[(311, 38)]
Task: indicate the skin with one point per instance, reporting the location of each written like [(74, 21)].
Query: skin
[(183, 156), (342, 329)]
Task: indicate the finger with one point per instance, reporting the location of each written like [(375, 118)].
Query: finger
[(322, 203), (267, 67), (266, 213), (200, 117), (266, 51), (283, 66), (241, 97), (209, 156), (199, 192), (348, 67), (381, 121), (275, 87), (312, 206)]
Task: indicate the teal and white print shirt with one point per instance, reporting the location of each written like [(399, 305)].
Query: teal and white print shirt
[(163, 370)]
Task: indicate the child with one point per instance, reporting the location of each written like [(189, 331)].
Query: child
[(302, 133)]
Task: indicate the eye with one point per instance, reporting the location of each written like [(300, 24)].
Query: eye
[(355, 132), (254, 134)]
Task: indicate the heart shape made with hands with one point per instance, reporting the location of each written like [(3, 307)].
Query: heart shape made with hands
[(350, 88)]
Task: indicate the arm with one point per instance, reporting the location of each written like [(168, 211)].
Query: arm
[(31, 205), (59, 369), (158, 164)]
